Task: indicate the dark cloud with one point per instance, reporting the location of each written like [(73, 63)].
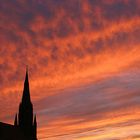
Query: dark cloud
[(104, 96), (120, 10)]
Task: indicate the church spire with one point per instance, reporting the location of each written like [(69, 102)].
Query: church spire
[(25, 114), (26, 90)]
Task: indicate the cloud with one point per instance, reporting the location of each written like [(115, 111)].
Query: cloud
[(90, 45)]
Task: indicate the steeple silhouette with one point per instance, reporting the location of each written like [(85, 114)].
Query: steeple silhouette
[(26, 90), (25, 115)]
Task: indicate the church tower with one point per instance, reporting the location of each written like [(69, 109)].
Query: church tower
[(24, 119)]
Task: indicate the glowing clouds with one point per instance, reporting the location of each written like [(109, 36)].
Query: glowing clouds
[(69, 45)]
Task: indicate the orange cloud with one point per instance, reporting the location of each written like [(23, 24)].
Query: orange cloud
[(70, 45), (113, 125)]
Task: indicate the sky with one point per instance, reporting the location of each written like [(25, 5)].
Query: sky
[(83, 58)]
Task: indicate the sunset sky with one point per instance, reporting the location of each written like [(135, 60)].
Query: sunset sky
[(83, 58)]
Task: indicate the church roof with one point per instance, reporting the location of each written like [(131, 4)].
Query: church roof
[(10, 132)]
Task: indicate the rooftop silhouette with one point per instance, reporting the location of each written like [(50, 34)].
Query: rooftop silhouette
[(25, 124)]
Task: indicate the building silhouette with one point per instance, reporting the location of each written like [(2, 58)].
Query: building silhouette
[(25, 125)]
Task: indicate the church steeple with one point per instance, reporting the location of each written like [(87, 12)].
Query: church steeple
[(26, 90), (25, 115)]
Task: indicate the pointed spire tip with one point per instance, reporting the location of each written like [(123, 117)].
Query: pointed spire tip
[(26, 91)]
